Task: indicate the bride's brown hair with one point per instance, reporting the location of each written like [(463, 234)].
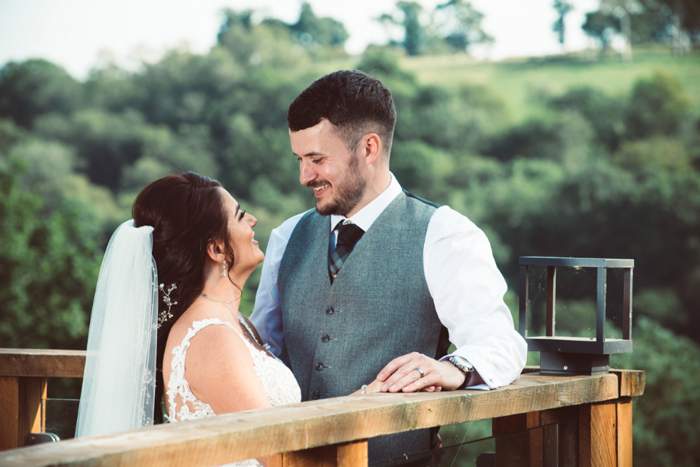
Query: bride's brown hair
[(186, 212)]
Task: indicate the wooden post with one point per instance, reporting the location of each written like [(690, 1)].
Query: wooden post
[(9, 412), (337, 455), (513, 448), (624, 432), (566, 419), (353, 454), (22, 409), (597, 425)]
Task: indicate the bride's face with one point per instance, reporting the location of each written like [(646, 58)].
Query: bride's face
[(246, 251)]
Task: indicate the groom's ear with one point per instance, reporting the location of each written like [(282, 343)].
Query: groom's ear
[(371, 148)]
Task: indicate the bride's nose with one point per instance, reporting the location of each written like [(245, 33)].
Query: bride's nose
[(252, 221)]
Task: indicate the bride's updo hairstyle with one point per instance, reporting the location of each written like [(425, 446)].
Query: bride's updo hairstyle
[(186, 212)]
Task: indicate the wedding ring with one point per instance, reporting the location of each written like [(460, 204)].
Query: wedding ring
[(420, 371)]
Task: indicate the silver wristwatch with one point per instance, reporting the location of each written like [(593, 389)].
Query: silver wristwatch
[(461, 363)]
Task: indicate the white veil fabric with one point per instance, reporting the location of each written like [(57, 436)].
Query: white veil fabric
[(119, 383)]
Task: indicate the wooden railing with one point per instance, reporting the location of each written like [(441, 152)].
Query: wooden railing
[(593, 416), (23, 375)]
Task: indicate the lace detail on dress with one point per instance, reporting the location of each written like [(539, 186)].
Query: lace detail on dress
[(277, 380)]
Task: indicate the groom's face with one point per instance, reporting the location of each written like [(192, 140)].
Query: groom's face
[(335, 174)]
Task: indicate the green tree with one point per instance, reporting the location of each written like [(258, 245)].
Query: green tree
[(657, 106), (563, 8), (409, 19), (270, 42), (324, 32), (31, 88), (665, 417), (459, 24), (48, 269), (685, 20), (602, 27), (603, 112), (105, 142), (9, 134)]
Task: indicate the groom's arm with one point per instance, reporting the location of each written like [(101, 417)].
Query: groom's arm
[(267, 314), (468, 290)]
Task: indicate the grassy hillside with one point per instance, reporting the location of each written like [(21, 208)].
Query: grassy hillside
[(518, 81)]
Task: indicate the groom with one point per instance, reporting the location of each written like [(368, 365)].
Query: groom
[(373, 282)]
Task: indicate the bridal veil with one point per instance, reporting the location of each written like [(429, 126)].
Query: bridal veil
[(119, 384)]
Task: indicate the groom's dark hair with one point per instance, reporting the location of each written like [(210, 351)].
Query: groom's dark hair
[(355, 102)]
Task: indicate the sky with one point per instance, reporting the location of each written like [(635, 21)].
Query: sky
[(81, 34)]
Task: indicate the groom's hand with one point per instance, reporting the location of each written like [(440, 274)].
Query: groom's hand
[(401, 374)]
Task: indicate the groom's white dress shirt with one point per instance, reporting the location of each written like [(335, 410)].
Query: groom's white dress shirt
[(464, 282)]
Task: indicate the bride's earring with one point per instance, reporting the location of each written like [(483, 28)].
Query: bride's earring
[(223, 272)]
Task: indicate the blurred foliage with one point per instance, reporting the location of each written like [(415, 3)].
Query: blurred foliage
[(589, 170), (665, 417), (48, 268), (453, 26), (34, 87), (672, 22), (657, 106)]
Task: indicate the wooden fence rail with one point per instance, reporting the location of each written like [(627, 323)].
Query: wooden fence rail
[(593, 413)]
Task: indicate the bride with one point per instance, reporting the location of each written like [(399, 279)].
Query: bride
[(165, 320)]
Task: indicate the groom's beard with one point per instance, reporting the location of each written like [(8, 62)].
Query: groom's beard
[(346, 194)]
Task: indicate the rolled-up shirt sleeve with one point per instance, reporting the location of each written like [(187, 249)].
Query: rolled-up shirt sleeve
[(468, 291), (267, 313)]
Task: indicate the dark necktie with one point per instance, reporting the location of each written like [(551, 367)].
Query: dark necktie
[(348, 235)]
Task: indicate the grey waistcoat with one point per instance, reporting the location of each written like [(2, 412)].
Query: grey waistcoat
[(338, 337)]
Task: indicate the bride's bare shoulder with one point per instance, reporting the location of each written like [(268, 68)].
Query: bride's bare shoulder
[(200, 311)]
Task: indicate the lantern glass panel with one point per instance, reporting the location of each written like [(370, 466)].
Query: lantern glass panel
[(614, 303), (537, 300), (576, 302)]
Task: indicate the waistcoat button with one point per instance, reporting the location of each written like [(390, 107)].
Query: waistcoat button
[(330, 310), (326, 338), (316, 395), (319, 366)]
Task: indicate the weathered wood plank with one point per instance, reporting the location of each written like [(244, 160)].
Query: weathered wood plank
[(513, 423), (566, 418), (353, 454), (9, 412), (42, 363), (523, 448), (624, 432), (632, 382), (323, 456), (32, 408), (265, 432), (598, 434)]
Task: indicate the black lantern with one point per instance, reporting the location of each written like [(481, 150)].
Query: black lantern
[(577, 355)]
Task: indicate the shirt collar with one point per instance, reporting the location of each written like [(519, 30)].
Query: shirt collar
[(366, 216)]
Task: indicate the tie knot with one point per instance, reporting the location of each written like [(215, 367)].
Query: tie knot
[(349, 234)]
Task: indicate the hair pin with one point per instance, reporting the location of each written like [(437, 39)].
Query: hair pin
[(165, 314)]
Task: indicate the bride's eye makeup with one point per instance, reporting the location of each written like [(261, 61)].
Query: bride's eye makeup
[(241, 214)]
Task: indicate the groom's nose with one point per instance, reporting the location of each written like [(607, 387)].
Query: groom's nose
[(306, 172)]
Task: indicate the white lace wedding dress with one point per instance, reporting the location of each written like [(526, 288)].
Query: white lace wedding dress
[(277, 380)]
